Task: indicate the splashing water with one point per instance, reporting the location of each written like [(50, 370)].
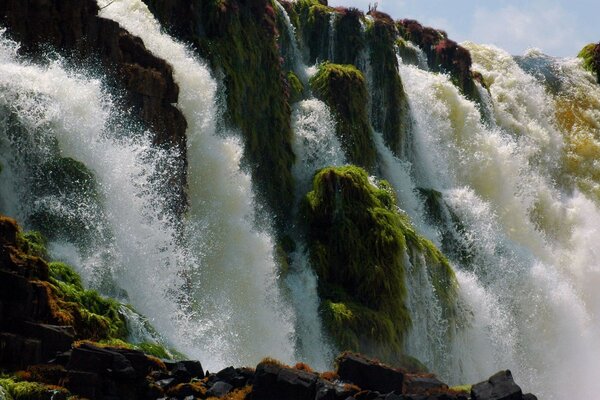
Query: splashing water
[(527, 239)]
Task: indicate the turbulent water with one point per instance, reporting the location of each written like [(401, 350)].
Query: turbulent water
[(527, 226), (519, 170)]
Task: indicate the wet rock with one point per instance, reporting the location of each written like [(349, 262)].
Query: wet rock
[(500, 386), (423, 384), (369, 374), (219, 389), (275, 382)]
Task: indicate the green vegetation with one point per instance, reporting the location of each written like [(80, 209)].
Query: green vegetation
[(296, 87), (590, 55), (349, 40), (32, 243), (91, 315), (312, 19), (389, 104), (344, 89), (359, 244), (239, 40), (21, 390)]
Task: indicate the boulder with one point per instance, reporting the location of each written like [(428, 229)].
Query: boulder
[(369, 374), (275, 382), (423, 384), (500, 386)]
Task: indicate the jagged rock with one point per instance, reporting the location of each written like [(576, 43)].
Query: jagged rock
[(369, 374), (500, 386), (276, 382)]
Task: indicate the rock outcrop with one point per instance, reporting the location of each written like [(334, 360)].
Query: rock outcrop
[(591, 58), (73, 28)]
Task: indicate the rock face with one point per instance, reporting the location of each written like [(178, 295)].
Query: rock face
[(443, 54), (73, 27), (500, 386), (369, 374), (239, 39)]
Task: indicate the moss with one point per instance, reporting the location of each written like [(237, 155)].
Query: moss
[(389, 104), (62, 272), (461, 389), (349, 39), (296, 87), (239, 40), (359, 243), (160, 351), (32, 243), (344, 89), (408, 54), (314, 19), (91, 315), (590, 55), (357, 248), (74, 196), (30, 390)]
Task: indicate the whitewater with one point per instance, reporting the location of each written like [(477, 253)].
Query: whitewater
[(519, 170)]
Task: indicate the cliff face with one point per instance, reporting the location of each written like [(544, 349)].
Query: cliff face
[(238, 38), (73, 28)]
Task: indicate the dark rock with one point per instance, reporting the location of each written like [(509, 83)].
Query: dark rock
[(17, 352), (219, 389), (85, 384), (499, 387), (369, 374), (55, 339), (418, 384), (529, 396), (275, 382), (194, 368), (366, 395)]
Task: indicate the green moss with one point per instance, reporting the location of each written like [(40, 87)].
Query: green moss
[(359, 243), (349, 39), (344, 90), (149, 348), (357, 248), (296, 87), (313, 18), (62, 272), (30, 390), (92, 316), (389, 104), (590, 55), (461, 388), (32, 243), (408, 54)]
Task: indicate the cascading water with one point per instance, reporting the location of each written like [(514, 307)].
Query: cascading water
[(526, 238), (237, 314)]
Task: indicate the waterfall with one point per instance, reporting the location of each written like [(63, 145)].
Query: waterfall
[(527, 237)]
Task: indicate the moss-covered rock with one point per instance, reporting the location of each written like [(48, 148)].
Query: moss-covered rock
[(389, 104), (239, 39), (22, 390), (295, 86), (359, 246), (590, 55), (68, 198), (314, 19), (344, 90), (349, 38)]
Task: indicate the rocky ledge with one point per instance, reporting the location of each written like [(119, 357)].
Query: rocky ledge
[(61, 341)]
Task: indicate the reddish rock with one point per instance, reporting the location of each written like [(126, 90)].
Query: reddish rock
[(369, 374)]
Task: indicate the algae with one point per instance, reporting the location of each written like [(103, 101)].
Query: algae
[(344, 90)]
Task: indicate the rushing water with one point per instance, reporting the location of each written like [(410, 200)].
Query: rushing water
[(520, 172), (528, 236)]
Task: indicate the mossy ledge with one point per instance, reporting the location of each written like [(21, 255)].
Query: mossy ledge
[(239, 39), (389, 104), (359, 245), (344, 90), (590, 55)]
